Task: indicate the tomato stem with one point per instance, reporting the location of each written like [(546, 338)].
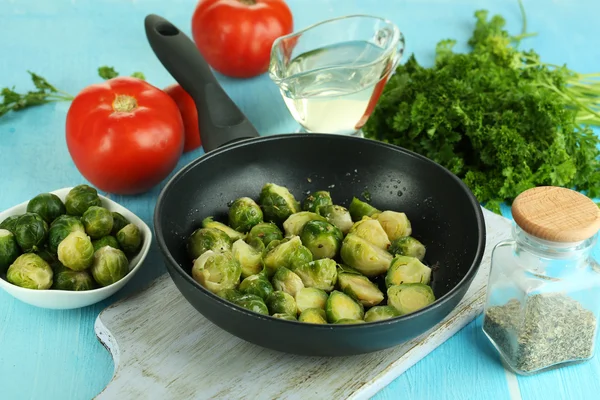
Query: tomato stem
[(124, 103), (248, 2)]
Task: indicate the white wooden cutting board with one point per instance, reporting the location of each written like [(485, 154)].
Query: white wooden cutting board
[(164, 349)]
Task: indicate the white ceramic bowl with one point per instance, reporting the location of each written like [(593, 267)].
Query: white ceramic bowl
[(65, 299)]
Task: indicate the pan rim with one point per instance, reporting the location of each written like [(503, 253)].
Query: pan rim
[(466, 280)]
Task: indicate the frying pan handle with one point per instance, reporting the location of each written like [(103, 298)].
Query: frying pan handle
[(219, 119)]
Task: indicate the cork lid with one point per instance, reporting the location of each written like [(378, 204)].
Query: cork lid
[(556, 214)]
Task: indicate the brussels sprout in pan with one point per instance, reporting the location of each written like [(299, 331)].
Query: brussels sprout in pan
[(47, 205), (379, 313), (285, 316), (341, 306), (60, 229), (365, 257), (253, 303), (244, 213), (313, 201), (410, 297), (67, 279), (119, 222), (349, 321), (299, 257), (130, 239), (217, 271), (407, 270), (359, 209), (9, 249), (249, 256), (313, 316), (76, 251), (257, 285), (110, 265), (279, 254), (97, 221), (31, 232), (293, 225), (277, 203), (408, 246), (372, 231), (310, 297), (322, 239), (30, 271), (287, 281), (280, 302), (395, 224), (338, 216), (234, 235), (266, 232), (204, 239), (80, 198), (229, 294), (360, 288), (320, 274), (106, 241), (9, 223)]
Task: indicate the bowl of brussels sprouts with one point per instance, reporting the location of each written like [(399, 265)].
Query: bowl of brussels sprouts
[(69, 248)]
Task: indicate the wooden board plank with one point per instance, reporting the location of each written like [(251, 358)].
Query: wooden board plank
[(164, 349)]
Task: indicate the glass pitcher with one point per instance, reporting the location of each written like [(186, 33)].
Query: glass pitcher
[(332, 73)]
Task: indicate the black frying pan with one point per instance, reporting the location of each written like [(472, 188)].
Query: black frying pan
[(445, 215)]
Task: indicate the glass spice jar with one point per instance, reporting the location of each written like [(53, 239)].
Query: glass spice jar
[(543, 295)]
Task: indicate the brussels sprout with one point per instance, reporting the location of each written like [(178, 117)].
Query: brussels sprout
[(258, 285), (295, 222), (234, 235), (320, 274), (359, 209), (379, 313), (252, 302), (287, 281), (119, 222), (97, 221), (249, 257), (285, 316), (10, 223), (310, 297), (279, 254), (341, 306), (406, 269), (229, 294), (130, 238), (372, 231), (360, 288), (277, 203), (67, 279), (266, 232), (349, 321), (217, 270), (244, 213), (30, 271), (408, 246), (31, 232), (9, 249), (204, 239), (106, 241), (47, 205), (365, 257), (80, 198), (46, 255), (281, 302), (110, 265), (313, 201), (60, 229), (395, 224), (410, 297), (299, 257), (76, 251), (322, 239), (313, 316), (338, 216)]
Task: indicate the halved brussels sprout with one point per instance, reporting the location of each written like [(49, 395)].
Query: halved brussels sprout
[(279, 254), (31, 232), (313, 201), (204, 239), (410, 297), (338, 216), (47, 205), (76, 251), (285, 316), (310, 297), (372, 231), (322, 239), (97, 221), (249, 256), (379, 313), (217, 270), (408, 246), (60, 229), (295, 222), (280, 302), (67, 279), (234, 235), (360, 288), (349, 321), (252, 302), (320, 274), (244, 213), (258, 285), (313, 316), (9, 249), (266, 232), (9, 223), (119, 222), (277, 203), (406, 269), (287, 281), (395, 224), (341, 306), (106, 241), (130, 239), (364, 256), (80, 198), (359, 209), (299, 257), (30, 271)]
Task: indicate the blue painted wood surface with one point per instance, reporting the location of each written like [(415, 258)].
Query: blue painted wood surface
[(54, 354)]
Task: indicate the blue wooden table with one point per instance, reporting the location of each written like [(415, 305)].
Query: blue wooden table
[(48, 354)]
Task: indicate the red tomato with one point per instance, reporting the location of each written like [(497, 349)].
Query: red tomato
[(188, 111), (124, 135), (235, 36)]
